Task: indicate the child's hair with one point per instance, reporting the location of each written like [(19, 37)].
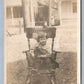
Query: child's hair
[(41, 35)]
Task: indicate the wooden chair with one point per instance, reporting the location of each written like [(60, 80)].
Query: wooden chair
[(50, 33)]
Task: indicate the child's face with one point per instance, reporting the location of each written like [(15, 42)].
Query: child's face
[(42, 41)]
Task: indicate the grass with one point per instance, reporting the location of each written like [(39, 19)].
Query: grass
[(65, 74)]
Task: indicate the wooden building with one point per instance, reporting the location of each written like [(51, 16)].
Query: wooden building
[(65, 11)]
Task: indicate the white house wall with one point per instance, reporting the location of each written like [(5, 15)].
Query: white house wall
[(13, 2), (66, 11), (67, 15), (13, 22)]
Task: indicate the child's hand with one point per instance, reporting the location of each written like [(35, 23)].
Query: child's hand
[(47, 55), (32, 52)]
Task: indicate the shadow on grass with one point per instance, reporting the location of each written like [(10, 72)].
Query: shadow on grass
[(65, 74)]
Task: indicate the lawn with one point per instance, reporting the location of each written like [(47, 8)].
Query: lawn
[(65, 74)]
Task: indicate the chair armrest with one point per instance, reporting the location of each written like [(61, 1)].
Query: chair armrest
[(54, 54), (25, 51)]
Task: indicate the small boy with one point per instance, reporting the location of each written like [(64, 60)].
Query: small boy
[(40, 50), (40, 57)]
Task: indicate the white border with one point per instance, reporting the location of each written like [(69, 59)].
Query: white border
[(5, 80), (78, 42)]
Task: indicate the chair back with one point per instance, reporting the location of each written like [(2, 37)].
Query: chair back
[(50, 33)]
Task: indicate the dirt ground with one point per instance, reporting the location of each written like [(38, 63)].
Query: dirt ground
[(66, 42), (65, 74)]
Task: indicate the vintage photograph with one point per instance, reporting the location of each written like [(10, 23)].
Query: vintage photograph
[(42, 42)]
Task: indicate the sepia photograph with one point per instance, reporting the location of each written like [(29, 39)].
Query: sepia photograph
[(42, 41)]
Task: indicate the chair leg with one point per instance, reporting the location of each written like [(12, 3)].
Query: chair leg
[(28, 81), (53, 78), (28, 77)]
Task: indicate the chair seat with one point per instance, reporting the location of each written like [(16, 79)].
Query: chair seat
[(40, 79), (46, 71), (41, 63), (50, 31)]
